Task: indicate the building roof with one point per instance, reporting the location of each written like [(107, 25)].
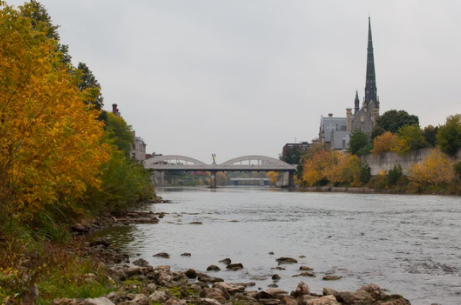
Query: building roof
[(327, 124), (339, 136)]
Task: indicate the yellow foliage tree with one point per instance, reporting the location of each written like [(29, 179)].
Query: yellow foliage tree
[(50, 147), (314, 168), (273, 176), (385, 143), (436, 169)]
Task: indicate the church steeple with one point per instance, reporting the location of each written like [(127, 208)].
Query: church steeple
[(356, 102), (370, 85)]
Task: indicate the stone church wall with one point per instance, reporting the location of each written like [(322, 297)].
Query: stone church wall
[(386, 161)]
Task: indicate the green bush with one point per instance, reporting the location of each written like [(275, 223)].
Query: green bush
[(394, 175), (365, 172), (378, 182), (457, 168), (124, 182)]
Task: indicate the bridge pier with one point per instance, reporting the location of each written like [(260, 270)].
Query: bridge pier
[(291, 182), (213, 179)]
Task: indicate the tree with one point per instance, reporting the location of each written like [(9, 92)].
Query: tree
[(273, 176), (50, 142), (292, 155), (410, 138), (40, 19), (377, 131), (385, 143), (436, 169), (430, 134), (358, 140), (119, 133), (88, 82), (393, 120), (449, 135)]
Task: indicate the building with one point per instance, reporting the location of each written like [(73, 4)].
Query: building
[(301, 146), (334, 131)]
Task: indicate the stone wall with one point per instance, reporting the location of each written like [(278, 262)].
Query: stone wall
[(386, 161)]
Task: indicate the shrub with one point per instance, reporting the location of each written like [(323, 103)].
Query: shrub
[(358, 139), (410, 138), (365, 172), (394, 175), (437, 169)]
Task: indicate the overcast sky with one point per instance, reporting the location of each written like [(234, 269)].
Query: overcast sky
[(241, 77)]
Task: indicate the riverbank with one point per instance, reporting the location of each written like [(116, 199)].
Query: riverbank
[(140, 283)]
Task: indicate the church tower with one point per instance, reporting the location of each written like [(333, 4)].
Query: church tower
[(370, 85), (356, 103)]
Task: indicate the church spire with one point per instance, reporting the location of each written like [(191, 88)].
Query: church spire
[(370, 85), (356, 102)]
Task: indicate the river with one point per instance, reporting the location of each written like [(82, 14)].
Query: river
[(409, 245)]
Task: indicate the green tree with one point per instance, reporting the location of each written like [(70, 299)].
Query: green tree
[(119, 133), (393, 120), (358, 140), (430, 134), (40, 18), (449, 135), (88, 81), (410, 138), (377, 131), (292, 155)]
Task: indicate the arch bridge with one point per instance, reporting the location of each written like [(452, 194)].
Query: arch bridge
[(244, 163)]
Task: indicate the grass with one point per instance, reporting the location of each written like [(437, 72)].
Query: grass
[(28, 258)]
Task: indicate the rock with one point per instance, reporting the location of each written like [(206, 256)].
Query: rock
[(138, 299), (326, 300), (286, 260), (270, 301), (308, 274), (249, 284), (98, 301), (114, 297), (394, 299), (214, 293), (64, 301), (90, 277), (271, 253), (226, 261), (305, 268), (302, 256), (141, 262), (186, 254), (278, 268), (79, 228), (100, 241), (118, 272), (263, 295), (272, 285), (229, 288), (206, 278), (331, 277), (301, 290), (235, 267), (274, 292), (329, 291), (287, 300), (196, 223), (276, 277), (191, 273), (162, 254), (373, 290), (151, 288), (172, 301), (206, 301), (359, 297), (159, 296), (213, 268)]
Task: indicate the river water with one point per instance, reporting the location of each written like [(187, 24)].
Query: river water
[(410, 245)]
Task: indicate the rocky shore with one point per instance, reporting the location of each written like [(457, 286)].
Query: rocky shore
[(138, 283)]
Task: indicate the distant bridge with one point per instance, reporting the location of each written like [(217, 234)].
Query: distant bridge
[(244, 164)]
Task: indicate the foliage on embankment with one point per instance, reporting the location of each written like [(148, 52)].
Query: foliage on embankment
[(61, 158)]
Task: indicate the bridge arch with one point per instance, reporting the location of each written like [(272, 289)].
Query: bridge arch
[(169, 158), (263, 159)]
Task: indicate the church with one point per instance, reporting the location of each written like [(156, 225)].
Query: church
[(334, 131)]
